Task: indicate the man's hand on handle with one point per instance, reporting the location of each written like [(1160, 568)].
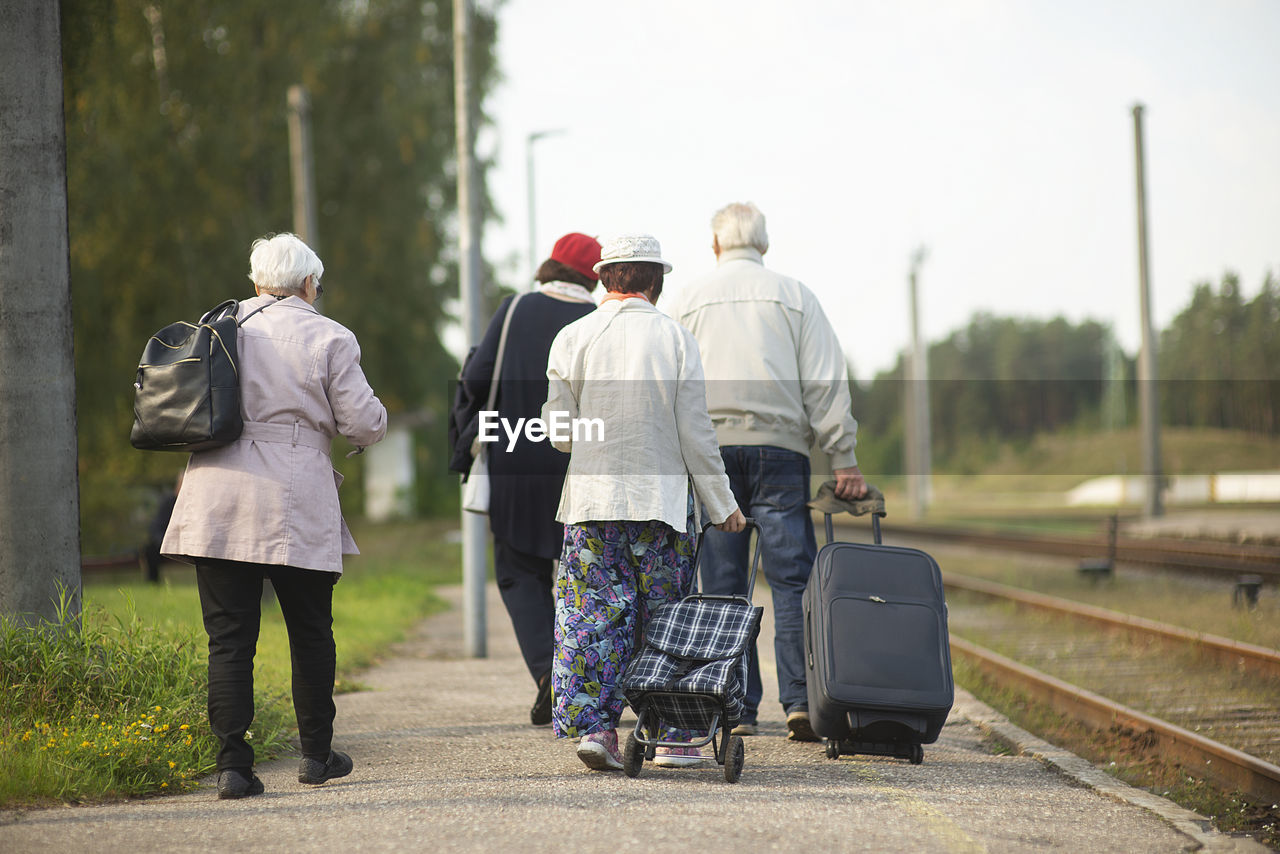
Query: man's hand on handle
[(735, 523), (849, 484)]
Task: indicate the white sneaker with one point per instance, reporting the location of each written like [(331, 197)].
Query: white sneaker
[(677, 757), (599, 751)]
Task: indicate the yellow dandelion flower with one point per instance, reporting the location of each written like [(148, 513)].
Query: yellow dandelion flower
[(95, 717), (184, 726), (173, 764), (157, 708), (164, 785), (86, 744)]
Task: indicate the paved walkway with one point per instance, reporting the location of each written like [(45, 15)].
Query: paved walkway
[(445, 761)]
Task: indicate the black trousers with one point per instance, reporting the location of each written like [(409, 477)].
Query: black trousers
[(525, 582), (231, 600)]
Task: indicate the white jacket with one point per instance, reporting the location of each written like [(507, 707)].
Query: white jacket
[(638, 372), (775, 372)]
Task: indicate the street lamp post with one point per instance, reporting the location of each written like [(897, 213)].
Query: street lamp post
[(919, 464), (533, 214)]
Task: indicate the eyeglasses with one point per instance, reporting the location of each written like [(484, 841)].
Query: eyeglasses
[(319, 287)]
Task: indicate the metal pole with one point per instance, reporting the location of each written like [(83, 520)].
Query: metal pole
[(534, 255), (533, 237), (918, 439), (300, 164), (475, 533), (1148, 392), (39, 483)]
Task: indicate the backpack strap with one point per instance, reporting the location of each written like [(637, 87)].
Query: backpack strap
[(251, 314)]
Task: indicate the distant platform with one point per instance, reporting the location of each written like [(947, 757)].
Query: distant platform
[(1230, 525)]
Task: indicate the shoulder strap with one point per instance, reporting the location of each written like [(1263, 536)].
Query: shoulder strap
[(502, 346), (219, 310), (228, 307), (252, 313)]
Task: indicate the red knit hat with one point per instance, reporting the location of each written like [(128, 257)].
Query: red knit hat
[(578, 252)]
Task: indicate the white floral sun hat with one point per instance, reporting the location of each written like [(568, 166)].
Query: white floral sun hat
[(631, 247)]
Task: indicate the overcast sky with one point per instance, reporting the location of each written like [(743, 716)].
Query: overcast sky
[(996, 133)]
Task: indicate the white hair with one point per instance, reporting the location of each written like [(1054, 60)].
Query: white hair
[(738, 225), (280, 263)]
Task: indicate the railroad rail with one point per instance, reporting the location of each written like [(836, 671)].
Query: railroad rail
[(1230, 766), (1201, 556), (1259, 659)]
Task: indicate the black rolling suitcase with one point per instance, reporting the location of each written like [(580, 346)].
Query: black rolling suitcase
[(877, 652)]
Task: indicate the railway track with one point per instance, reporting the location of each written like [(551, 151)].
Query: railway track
[(1209, 704), (1208, 557)]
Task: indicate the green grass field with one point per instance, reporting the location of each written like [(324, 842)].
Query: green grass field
[(117, 708)]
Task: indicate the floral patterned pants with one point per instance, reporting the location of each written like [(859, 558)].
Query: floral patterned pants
[(611, 573)]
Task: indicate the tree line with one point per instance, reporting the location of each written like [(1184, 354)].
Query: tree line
[(178, 158), (1000, 380)]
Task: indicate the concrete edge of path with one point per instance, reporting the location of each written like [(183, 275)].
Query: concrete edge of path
[(1191, 824)]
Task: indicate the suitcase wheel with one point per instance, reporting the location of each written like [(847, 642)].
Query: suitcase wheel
[(833, 748), (917, 754)]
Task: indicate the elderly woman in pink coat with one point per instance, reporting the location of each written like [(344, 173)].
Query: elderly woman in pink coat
[(266, 506)]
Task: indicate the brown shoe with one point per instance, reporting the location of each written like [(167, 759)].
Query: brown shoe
[(798, 726)]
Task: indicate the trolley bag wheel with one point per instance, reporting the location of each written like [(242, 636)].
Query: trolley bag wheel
[(633, 757), (917, 754), (833, 748), (734, 759)]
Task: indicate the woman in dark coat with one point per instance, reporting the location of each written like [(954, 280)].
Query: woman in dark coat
[(526, 480)]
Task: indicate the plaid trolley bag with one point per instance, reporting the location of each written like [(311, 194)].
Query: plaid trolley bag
[(691, 673)]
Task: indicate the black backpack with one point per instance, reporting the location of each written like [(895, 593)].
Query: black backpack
[(187, 390)]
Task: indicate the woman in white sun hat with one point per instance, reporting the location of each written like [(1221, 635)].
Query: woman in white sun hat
[(631, 378)]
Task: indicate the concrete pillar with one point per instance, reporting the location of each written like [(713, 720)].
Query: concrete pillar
[(39, 489)]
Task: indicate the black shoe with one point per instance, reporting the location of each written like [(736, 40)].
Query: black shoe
[(540, 714), (313, 772), (234, 784)]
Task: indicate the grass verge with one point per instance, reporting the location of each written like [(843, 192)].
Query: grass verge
[(114, 705)]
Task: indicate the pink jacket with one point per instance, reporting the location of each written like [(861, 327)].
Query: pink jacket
[(272, 495)]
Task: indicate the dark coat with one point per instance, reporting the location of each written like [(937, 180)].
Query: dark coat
[(525, 481)]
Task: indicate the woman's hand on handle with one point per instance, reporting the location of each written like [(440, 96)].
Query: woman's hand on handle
[(735, 523)]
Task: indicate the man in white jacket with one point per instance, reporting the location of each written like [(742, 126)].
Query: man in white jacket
[(776, 384)]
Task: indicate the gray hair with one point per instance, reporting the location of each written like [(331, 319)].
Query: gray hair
[(738, 225), (280, 263)]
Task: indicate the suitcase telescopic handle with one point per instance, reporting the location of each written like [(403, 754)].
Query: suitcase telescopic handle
[(831, 534), (755, 560)]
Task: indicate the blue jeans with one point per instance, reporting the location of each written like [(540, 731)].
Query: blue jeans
[(772, 485)]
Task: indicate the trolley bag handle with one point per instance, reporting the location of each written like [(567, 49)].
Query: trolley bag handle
[(827, 502), (755, 561)]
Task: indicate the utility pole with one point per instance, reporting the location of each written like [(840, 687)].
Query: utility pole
[(475, 529), (1148, 392), (301, 166), (534, 256), (919, 462), (39, 485)]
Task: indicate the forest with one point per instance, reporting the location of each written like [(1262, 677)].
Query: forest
[(178, 158), (1003, 380)]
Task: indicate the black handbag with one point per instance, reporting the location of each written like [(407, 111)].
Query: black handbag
[(187, 389)]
